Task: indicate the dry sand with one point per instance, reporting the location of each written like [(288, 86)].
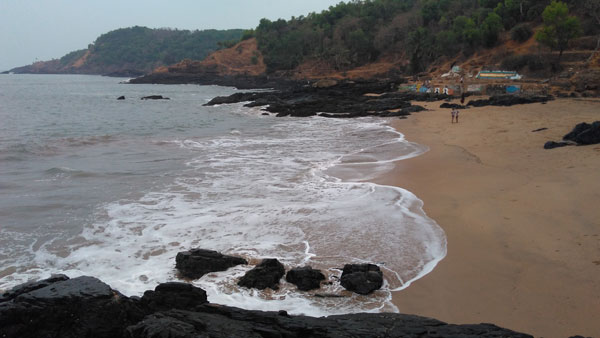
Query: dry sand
[(523, 223)]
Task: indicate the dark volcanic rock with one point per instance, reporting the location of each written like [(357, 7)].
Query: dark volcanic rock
[(198, 262), (78, 307), (342, 100), (224, 322), (31, 286), (174, 295), (509, 100), (86, 307), (552, 144), (452, 106), (362, 278), (207, 78), (155, 97), (121, 98), (305, 278), (265, 275), (585, 133)]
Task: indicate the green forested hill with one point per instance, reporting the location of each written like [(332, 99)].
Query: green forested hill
[(357, 32), (136, 50)]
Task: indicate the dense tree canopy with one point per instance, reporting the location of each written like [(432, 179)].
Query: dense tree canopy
[(559, 27), (141, 48), (357, 32)]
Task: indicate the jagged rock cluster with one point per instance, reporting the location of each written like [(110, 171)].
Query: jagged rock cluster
[(510, 100), (359, 278), (341, 100), (582, 134), (87, 307)]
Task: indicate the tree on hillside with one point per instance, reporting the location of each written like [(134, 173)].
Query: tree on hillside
[(593, 9), (559, 27)]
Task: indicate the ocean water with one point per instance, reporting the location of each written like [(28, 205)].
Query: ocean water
[(115, 189)]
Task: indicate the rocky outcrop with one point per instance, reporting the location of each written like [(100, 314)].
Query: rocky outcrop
[(265, 275), (552, 144), (452, 106), (155, 97), (195, 263), (362, 278), (87, 307), (341, 100), (68, 308), (585, 133), (305, 278), (173, 295), (509, 100), (582, 134)]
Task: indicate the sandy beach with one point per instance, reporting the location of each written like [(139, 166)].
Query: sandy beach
[(522, 222)]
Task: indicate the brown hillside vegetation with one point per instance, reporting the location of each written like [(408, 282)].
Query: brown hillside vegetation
[(242, 59)]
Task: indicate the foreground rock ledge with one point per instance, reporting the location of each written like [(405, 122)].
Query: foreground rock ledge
[(87, 307)]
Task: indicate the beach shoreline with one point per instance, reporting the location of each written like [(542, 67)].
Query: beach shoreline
[(521, 221)]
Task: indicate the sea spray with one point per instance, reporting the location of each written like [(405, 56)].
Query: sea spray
[(291, 188)]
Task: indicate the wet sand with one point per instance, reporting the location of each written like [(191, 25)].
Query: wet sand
[(522, 222)]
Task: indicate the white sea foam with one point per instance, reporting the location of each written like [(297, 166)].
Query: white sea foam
[(293, 189)]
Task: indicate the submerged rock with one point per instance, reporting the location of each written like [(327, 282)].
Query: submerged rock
[(86, 307), (362, 278), (195, 263), (155, 97), (265, 275), (305, 278)]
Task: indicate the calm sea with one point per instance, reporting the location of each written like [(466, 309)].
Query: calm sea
[(114, 189)]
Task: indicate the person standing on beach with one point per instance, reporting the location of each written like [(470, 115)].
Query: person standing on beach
[(456, 115), (453, 113)]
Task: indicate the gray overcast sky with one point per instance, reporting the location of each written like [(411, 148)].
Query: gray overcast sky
[(33, 30)]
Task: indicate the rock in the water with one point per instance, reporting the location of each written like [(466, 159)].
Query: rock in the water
[(305, 278), (155, 97), (585, 133), (198, 262), (552, 144), (86, 307), (362, 278), (265, 275), (121, 98)]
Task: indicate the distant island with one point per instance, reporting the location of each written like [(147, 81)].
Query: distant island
[(135, 51)]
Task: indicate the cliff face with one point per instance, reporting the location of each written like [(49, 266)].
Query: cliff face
[(87, 307), (241, 66), (135, 51)]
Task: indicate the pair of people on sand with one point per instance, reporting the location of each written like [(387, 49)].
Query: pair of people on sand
[(454, 115)]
